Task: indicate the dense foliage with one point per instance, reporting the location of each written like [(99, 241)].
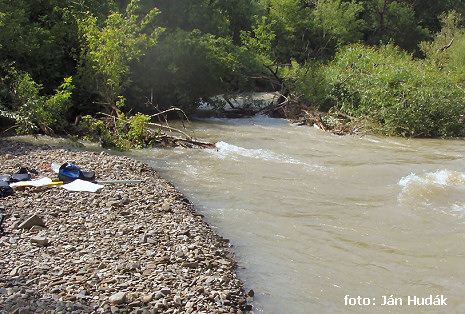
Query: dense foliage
[(400, 95), (397, 64)]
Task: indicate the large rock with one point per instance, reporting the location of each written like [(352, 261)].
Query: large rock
[(34, 220)]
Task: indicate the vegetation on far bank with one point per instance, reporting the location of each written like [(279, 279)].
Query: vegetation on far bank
[(104, 69)]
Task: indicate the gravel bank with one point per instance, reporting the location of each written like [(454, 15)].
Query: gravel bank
[(128, 248)]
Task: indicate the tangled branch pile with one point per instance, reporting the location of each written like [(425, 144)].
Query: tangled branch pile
[(124, 132)]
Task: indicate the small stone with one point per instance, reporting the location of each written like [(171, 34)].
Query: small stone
[(125, 201), (147, 298), (118, 298), (251, 293), (158, 295), (166, 207), (190, 264), (165, 290), (135, 304), (81, 294), (36, 229), (114, 203), (39, 241), (14, 271), (23, 310), (144, 238), (162, 260), (247, 307), (151, 266), (21, 204), (34, 220)]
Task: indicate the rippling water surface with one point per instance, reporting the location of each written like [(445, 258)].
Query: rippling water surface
[(315, 217)]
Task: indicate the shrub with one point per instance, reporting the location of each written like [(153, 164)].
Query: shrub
[(31, 111), (402, 96), (120, 132)]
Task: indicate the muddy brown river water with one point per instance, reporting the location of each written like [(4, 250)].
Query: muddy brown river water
[(327, 224)]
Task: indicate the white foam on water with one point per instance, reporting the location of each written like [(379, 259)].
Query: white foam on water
[(225, 150), (440, 178), (459, 209), (442, 191)]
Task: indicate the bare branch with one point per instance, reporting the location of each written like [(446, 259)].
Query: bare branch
[(446, 46), (169, 128)]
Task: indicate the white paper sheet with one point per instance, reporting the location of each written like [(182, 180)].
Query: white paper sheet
[(81, 185)]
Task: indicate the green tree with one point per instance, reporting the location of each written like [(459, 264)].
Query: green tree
[(203, 15), (393, 20), (338, 22), (428, 12), (310, 29), (293, 27), (108, 51), (187, 66), (38, 37)]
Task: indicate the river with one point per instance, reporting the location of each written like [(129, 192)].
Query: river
[(327, 224)]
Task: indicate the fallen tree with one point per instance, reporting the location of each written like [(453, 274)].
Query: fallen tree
[(137, 131)]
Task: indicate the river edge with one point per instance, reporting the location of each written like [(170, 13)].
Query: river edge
[(137, 247)]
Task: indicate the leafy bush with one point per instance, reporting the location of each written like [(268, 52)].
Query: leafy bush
[(120, 132), (402, 96), (309, 84), (446, 50), (30, 110)]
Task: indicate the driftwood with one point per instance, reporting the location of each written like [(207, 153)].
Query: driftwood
[(171, 140), (275, 107), (337, 122)]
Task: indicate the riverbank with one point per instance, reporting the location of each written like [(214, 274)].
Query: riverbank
[(128, 247)]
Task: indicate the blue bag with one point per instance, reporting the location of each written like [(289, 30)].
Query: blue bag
[(69, 172)]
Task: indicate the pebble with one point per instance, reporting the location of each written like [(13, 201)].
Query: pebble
[(39, 241), (147, 298), (166, 207), (118, 298), (128, 248)]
